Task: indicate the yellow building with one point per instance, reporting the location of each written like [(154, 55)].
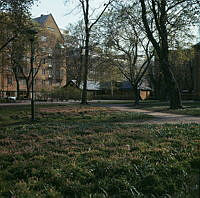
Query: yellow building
[(49, 63)]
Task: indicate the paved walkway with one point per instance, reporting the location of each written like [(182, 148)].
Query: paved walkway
[(159, 117)]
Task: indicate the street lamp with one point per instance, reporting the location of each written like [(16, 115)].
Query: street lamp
[(32, 34)]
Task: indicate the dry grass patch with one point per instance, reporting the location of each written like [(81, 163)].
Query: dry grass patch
[(75, 109)]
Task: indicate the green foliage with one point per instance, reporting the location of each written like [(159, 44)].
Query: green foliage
[(62, 94), (66, 93)]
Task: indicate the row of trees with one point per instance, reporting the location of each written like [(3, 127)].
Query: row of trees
[(133, 32), (125, 35)]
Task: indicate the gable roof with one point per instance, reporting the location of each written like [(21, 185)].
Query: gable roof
[(127, 85), (91, 85), (42, 19)]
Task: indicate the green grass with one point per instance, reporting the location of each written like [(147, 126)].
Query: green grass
[(87, 152), (11, 115)]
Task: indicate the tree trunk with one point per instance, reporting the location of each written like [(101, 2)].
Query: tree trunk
[(162, 48), (85, 73), (172, 85), (86, 61), (111, 88), (27, 90), (17, 82), (136, 95)]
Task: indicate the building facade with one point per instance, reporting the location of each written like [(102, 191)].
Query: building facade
[(49, 65)]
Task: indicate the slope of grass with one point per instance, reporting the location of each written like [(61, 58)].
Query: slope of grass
[(84, 152)]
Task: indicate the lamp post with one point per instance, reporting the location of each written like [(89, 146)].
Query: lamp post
[(32, 34)]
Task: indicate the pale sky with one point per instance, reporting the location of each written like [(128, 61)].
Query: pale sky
[(59, 10)]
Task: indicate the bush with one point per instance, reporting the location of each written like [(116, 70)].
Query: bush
[(66, 93)]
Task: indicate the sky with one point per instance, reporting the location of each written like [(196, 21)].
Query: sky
[(60, 11), (63, 15), (57, 9)]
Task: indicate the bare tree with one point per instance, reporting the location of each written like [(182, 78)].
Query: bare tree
[(89, 24), (167, 17), (74, 43), (127, 46)]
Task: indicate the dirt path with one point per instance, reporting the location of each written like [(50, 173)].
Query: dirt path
[(159, 118)]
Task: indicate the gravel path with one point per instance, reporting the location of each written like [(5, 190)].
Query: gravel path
[(159, 118)]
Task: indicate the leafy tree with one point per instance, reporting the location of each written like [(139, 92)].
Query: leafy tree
[(162, 19), (13, 14)]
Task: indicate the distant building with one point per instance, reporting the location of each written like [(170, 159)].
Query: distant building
[(123, 90), (49, 64)]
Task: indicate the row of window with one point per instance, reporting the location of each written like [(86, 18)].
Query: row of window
[(23, 81), (44, 71)]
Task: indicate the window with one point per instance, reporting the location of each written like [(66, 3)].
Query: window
[(50, 82), (43, 71), (43, 82), (50, 72), (26, 69), (62, 73), (34, 71), (22, 82), (43, 61), (51, 29), (50, 61), (57, 72), (43, 49), (43, 38), (18, 70), (9, 80)]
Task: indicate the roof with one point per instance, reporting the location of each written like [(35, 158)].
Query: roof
[(197, 45), (127, 85), (91, 86), (41, 19), (96, 86)]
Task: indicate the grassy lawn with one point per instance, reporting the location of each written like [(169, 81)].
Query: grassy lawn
[(10, 115), (189, 107), (83, 151)]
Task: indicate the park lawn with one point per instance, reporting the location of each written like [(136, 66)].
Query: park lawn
[(21, 114), (83, 151), (12, 114)]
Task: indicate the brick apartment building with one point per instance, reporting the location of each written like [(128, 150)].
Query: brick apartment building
[(49, 64)]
